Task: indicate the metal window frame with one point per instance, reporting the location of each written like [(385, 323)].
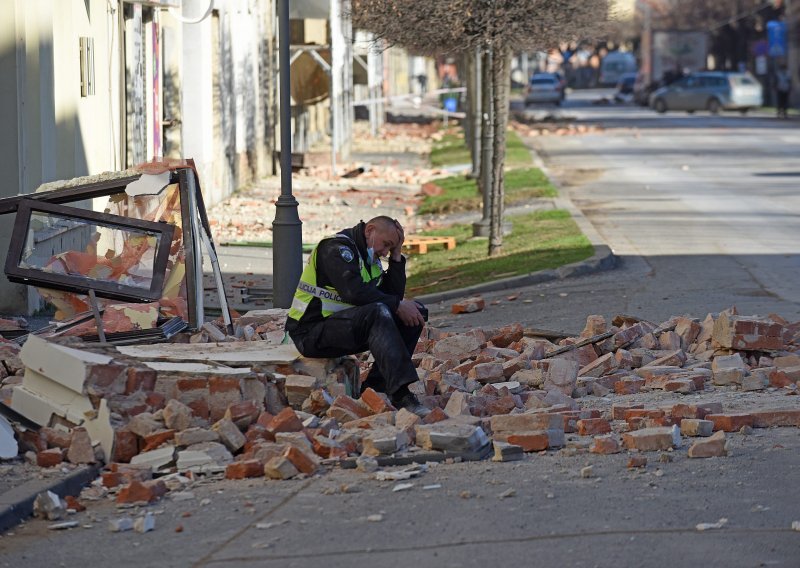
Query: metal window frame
[(81, 284)]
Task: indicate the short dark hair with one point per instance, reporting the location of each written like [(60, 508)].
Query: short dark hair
[(385, 221)]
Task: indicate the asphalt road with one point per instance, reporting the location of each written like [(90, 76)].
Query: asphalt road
[(701, 210)]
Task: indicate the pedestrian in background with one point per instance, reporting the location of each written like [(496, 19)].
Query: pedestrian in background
[(783, 86)]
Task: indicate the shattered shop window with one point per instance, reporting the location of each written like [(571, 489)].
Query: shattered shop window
[(76, 250), (90, 250)]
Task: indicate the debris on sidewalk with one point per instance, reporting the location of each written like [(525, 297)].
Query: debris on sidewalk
[(163, 416)]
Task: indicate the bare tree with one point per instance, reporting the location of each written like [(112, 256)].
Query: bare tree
[(502, 26)]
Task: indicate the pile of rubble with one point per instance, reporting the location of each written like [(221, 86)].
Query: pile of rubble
[(530, 131), (159, 415)]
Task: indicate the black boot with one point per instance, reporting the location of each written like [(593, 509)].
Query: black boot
[(404, 398)]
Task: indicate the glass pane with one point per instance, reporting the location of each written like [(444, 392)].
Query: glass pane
[(90, 249)]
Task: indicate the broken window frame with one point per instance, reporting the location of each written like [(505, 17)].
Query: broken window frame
[(82, 284), (194, 223)]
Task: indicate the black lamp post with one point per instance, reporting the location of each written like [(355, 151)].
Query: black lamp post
[(287, 229)]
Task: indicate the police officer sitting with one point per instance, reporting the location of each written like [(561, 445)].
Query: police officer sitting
[(345, 303)]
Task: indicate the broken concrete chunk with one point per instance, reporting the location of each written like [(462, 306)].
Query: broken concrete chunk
[(80, 448), (120, 525), (385, 441), (696, 427), (450, 436), (299, 387), (229, 435), (144, 424), (280, 468), (652, 439), (456, 347), (177, 416), (192, 436), (145, 523), (728, 369), (156, 459), (505, 452), (47, 505), (206, 456)]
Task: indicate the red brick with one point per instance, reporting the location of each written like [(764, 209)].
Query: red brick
[(242, 413), (637, 461), (186, 385), (378, 403), (264, 419), (628, 386), (730, 422), (535, 441), (776, 417), (300, 460), (244, 469), (126, 445), (605, 445), (618, 410), (111, 479), (780, 379), (507, 335), (593, 426), (140, 379), (218, 385), (643, 413), (468, 306), (502, 405), (155, 400), (50, 458), (435, 415), (345, 409), (199, 408), (154, 440), (56, 438), (285, 421), (74, 504), (141, 492)]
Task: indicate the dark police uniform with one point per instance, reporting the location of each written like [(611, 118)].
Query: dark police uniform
[(346, 305)]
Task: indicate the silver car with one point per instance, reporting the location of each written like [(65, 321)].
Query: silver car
[(712, 91), (544, 88)]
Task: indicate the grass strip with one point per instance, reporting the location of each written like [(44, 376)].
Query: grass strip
[(540, 240), (461, 194), (452, 150)]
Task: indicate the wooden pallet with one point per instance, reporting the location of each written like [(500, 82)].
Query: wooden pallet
[(420, 245)]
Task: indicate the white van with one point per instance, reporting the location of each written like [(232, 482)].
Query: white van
[(614, 66)]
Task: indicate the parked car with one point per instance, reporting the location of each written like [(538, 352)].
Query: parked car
[(625, 85), (710, 90), (544, 88), (614, 66)]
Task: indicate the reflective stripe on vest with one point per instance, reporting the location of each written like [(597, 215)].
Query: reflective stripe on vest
[(330, 299)]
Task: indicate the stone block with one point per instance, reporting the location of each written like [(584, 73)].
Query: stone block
[(487, 373), (652, 439), (229, 434), (728, 369), (713, 446), (177, 416), (280, 468), (695, 427)]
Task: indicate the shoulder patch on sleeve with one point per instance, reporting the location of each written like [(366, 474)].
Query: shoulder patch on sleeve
[(346, 253)]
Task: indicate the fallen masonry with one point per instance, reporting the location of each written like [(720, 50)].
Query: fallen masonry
[(158, 416)]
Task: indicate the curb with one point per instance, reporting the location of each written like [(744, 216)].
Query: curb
[(16, 505), (603, 258)]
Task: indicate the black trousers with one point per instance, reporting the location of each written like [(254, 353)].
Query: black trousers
[(783, 102), (373, 328)]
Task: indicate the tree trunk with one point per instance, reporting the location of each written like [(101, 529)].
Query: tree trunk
[(481, 229), (501, 63), (474, 97)]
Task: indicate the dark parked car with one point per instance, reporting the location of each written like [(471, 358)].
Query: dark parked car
[(710, 90)]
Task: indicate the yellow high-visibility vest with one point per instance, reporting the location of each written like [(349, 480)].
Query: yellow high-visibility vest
[(332, 302)]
